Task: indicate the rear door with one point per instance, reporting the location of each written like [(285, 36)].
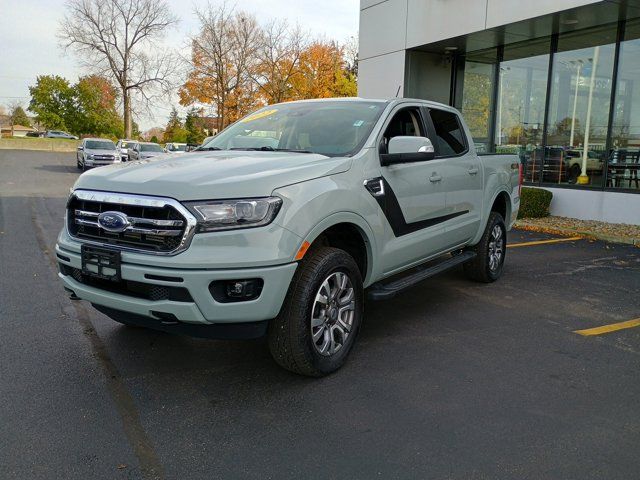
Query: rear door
[(462, 175)]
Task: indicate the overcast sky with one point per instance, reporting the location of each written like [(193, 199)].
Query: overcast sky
[(29, 46)]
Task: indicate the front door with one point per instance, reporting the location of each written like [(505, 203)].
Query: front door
[(414, 201)]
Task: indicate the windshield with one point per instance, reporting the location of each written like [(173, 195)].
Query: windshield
[(100, 145), (177, 148), (332, 128), (150, 147)]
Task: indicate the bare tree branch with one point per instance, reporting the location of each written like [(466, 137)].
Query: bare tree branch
[(113, 38)]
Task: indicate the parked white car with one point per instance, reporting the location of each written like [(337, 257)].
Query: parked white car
[(176, 147), (124, 146), (144, 150)]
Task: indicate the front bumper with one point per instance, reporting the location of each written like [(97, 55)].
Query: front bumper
[(203, 309), (100, 163)]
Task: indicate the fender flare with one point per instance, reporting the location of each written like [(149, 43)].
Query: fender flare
[(360, 223)]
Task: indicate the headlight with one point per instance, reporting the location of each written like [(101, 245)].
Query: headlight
[(231, 214), (90, 157)]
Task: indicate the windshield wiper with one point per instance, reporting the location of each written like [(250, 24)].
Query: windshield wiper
[(267, 148), (203, 149)]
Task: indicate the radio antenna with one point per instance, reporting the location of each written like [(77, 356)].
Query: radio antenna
[(398, 92)]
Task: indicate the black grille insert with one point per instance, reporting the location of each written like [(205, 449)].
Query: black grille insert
[(154, 229)]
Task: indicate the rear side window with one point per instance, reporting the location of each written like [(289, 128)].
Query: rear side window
[(449, 135)]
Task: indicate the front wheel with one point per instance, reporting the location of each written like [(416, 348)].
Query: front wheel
[(321, 315), (491, 250)]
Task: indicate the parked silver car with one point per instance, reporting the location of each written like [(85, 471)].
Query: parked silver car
[(124, 146), (59, 134), (94, 152), (143, 150)]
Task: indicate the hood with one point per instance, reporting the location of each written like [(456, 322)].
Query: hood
[(93, 151), (212, 175)]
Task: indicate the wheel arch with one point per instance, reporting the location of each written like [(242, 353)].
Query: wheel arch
[(350, 232)]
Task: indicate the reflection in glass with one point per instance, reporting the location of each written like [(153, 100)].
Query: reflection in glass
[(579, 108), (476, 100), (522, 91), (624, 160)]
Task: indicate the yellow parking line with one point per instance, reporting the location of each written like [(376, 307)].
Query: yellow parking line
[(543, 242), (609, 328)]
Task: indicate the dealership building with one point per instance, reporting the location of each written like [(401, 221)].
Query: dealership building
[(555, 81)]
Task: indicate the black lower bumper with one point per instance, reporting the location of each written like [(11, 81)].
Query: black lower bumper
[(220, 331)]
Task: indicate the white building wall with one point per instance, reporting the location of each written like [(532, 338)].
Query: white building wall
[(383, 26), (589, 205)]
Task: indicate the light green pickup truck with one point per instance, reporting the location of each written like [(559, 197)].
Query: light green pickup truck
[(282, 223)]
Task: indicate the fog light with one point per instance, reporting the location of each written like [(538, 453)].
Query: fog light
[(226, 291)]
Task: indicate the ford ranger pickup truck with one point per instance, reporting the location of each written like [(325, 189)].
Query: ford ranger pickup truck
[(283, 222)]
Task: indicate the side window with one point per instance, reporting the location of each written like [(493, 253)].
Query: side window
[(450, 138), (406, 122)]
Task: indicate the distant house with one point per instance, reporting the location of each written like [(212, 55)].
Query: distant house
[(16, 130)]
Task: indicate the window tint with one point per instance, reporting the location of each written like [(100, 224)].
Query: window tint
[(406, 122), (449, 136)]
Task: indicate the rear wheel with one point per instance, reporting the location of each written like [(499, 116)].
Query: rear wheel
[(321, 315), (491, 250)]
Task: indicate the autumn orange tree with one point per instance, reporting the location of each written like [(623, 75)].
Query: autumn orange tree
[(236, 65), (223, 57)]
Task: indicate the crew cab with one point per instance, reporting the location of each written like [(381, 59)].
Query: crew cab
[(283, 222)]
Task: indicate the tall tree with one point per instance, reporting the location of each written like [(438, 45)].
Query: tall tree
[(279, 55), (223, 57), (174, 131), (321, 65), (193, 126), (115, 38), (95, 100), (19, 117), (52, 101)]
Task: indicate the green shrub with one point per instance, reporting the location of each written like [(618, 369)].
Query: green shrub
[(534, 202)]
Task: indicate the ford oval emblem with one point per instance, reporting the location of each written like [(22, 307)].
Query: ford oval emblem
[(115, 222)]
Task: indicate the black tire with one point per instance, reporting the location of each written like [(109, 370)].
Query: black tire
[(290, 333), (78, 166), (480, 268)]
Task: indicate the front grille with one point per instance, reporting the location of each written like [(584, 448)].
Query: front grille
[(152, 226), (130, 288), (104, 158)]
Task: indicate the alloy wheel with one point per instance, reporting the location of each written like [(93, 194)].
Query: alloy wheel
[(333, 313)]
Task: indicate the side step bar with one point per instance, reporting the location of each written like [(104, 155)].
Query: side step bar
[(382, 291)]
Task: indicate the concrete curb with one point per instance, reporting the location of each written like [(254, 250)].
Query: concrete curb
[(569, 232), (39, 144)]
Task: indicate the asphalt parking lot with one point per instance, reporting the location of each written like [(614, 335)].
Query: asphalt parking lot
[(451, 380)]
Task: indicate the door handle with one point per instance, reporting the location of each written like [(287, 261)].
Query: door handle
[(435, 178), (473, 170)]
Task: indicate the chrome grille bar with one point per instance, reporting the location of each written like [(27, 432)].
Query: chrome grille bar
[(135, 220), (132, 229)]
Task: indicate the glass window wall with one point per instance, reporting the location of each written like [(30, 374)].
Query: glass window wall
[(522, 90), (477, 102), (581, 83), (624, 160)]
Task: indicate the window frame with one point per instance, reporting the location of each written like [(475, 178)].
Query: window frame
[(399, 108), (431, 130)]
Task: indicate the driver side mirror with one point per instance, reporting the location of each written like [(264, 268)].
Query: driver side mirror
[(80, 147), (407, 149)]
